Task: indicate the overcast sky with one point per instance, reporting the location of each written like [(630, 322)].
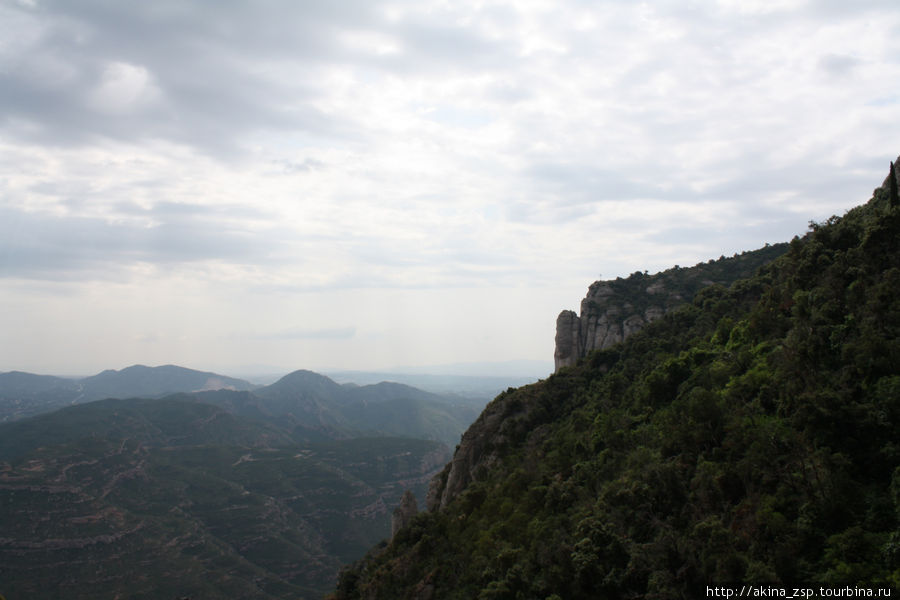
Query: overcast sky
[(359, 184)]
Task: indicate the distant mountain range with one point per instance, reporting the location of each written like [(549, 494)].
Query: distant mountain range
[(476, 388), (313, 406), (166, 482), (26, 394)]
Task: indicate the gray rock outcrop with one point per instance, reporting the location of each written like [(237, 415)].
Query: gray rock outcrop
[(608, 316), (404, 513), (611, 312), (479, 449), (615, 309)]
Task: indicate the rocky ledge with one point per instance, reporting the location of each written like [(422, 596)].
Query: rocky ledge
[(615, 309)]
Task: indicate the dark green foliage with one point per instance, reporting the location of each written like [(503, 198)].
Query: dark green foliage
[(750, 436), (892, 187)]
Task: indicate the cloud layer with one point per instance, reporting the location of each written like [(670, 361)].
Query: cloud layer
[(268, 155)]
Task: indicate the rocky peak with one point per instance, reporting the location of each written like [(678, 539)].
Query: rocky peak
[(609, 314), (404, 513), (615, 309)]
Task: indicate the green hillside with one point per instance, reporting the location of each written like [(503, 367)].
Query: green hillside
[(315, 403), (24, 395), (153, 382), (310, 406), (750, 436)]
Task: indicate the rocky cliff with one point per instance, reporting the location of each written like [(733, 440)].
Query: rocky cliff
[(615, 309), (404, 513), (612, 311), (478, 449)]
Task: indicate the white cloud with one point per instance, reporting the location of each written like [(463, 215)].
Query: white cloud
[(409, 153), (123, 88)]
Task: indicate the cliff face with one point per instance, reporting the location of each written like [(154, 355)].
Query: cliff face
[(404, 513), (615, 309), (607, 318), (477, 448), (611, 312)]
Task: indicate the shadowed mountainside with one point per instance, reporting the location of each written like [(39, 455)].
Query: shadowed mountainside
[(747, 436), (24, 394)]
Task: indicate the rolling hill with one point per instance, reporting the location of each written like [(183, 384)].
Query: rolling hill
[(25, 394), (310, 404)]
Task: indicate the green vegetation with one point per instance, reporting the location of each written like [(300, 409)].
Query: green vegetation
[(310, 406), (678, 285), (750, 435)]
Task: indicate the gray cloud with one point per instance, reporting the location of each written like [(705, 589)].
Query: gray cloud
[(195, 69), (839, 65), (207, 78), (77, 248), (301, 333), (286, 152)]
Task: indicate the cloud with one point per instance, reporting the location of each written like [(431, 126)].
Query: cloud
[(839, 65), (328, 333), (62, 247), (123, 88), (420, 149), (170, 71)]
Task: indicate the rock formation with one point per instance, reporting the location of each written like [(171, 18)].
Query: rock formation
[(615, 309), (404, 513), (608, 316), (890, 184), (611, 311), (476, 448)]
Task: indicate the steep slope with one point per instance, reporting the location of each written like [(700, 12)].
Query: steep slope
[(172, 498), (749, 436)]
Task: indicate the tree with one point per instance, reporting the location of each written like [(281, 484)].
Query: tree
[(893, 187)]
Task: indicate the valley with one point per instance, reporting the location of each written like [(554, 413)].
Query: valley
[(208, 493)]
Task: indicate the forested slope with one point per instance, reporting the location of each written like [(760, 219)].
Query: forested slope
[(171, 498), (748, 436)]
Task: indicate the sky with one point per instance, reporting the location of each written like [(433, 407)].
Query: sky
[(275, 185)]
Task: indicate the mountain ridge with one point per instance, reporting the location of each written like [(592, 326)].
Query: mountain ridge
[(748, 435), (317, 406), (615, 309)]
